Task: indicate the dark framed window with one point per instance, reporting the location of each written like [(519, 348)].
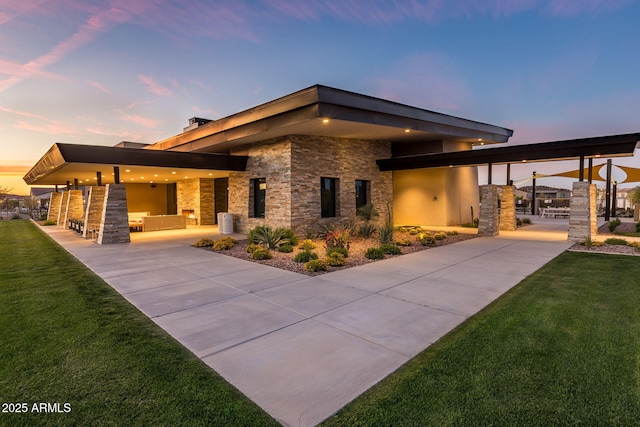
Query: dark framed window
[(328, 197), (362, 193), (259, 190)]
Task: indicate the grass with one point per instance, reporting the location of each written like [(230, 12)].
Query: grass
[(67, 337), (561, 348)]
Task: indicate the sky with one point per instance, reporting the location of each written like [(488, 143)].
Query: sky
[(100, 72)]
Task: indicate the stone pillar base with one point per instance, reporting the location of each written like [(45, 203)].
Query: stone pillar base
[(54, 206), (508, 220), (93, 216), (583, 222), (489, 220), (114, 224)]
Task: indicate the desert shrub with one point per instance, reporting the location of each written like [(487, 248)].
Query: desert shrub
[(336, 259), (316, 265), (524, 221), (261, 253), (616, 241), (291, 236), (367, 212), (426, 239), (413, 232), (390, 249), (305, 256), (343, 251), (440, 236), (613, 224), (203, 243), (385, 234), (51, 222), (588, 242), (518, 222), (338, 238), (268, 236), (374, 253), (635, 245), (452, 233), (637, 227), (224, 244), (15, 216), (285, 249), (403, 242), (366, 230), (252, 247), (307, 245)]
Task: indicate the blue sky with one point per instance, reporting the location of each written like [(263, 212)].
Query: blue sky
[(99, 72)]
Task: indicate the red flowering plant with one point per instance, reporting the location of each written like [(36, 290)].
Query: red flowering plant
[(338, 238)]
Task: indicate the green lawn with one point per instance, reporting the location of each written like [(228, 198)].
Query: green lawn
[(562, 348), (67, 337)]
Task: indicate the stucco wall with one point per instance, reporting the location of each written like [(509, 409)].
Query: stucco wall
[(144, 198), (442, 196)]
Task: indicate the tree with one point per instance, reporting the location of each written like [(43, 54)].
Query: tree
[(634, 195)]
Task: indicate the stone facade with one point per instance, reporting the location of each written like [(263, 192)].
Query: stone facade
[(488, 225), (293, 166), (508, 221), (64, 201), (197, 195), (114, 223), (75, 208), (583, 220), (93, 214), (54, 206)]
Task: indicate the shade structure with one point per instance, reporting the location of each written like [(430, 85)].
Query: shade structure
[(576, 173)]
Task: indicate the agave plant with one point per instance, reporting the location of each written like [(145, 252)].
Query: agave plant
[(268, 236)]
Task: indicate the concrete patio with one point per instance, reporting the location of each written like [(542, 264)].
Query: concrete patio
[(302, 347)]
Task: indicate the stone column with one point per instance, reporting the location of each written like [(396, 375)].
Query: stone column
[(196, 194), (583, 222), (54, 206), (508, 220), (93, 215), (114, 223), (488, 221), (75, 208), (64, 202)]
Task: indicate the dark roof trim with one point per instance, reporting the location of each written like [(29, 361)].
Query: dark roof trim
[(602, 146), (322, 101), (60, 155)]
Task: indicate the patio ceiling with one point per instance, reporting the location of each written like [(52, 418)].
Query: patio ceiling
[(602, 146), (67, 162)]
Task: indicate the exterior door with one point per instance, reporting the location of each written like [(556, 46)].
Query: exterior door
[(221, 195)]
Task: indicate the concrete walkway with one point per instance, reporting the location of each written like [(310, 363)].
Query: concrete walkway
[(302, 347)]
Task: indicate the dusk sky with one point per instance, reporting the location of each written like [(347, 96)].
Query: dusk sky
[(100, 72)]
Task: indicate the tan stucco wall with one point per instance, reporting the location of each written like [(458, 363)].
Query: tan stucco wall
[(144, 198), (441, 196)]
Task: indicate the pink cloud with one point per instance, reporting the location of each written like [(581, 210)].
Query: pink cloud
[(52, 128), (140, 120), (153, 86), (99, 86)]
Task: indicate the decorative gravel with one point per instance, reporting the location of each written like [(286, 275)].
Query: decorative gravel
[(357, 249), (603, 234)]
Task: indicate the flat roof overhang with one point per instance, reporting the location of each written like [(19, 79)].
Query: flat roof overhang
[(325, 111), (596, 147), (66, 162)]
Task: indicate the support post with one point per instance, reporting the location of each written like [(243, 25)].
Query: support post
[(508, 220), (607, 202), (581, 174), (583, 221), (99, 179), (489, 220), (590, 174), (533, 194), (614, 201), (116, 175), (489, 173), (508, 173)]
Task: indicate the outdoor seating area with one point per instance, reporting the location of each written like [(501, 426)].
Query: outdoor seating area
[(555, 212), (76, 225)]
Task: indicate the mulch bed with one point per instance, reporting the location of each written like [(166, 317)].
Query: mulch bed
[(357, 249)]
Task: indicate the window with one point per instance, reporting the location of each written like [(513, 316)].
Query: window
[(259, 193), (328, 197), (362, 193)]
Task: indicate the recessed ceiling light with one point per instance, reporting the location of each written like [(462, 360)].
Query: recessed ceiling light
[(127, 170), (131, 179), (173, 173), (210, 174), (166, 179), (325, 121), (155, 174), (524, 160), (407, 130)]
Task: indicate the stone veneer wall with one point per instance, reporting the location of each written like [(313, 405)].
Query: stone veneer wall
[(346, 159), (270, 160), (114, 223), (583, 220), (508, 220), (293, 166), (93, 214), (197, 194), (64, 201), (75, 208), (488, 225), (54, 206)]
